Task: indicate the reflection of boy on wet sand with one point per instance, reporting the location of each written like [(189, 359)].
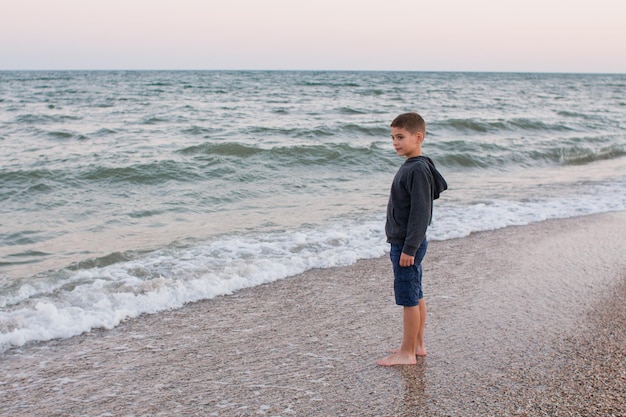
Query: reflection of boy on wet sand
[(409, 212)]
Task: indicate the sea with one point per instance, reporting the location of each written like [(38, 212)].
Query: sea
[(125, 193)]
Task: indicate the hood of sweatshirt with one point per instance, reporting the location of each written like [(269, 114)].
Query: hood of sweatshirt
[(440, 183)]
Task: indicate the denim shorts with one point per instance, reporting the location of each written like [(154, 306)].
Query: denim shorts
[(407, 282)]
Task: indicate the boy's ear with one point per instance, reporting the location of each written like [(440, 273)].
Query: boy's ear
[(420, 137)]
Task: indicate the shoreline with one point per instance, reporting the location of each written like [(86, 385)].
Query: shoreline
[(525, 320)]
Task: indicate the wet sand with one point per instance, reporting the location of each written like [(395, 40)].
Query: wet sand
[(523, 321)]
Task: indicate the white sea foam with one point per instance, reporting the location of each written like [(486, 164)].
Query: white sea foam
[(166, 279), (103, 297)]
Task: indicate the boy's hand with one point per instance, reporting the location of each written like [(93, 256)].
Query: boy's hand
[(406, 260)]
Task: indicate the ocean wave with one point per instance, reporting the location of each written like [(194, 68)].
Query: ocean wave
[(160, 84), (64, 134), (25, 184), (337, 155), (350, 111), (319, 132), (103, 261), (556, 156), (102, 132), (153, 173), (233, 162), (328, 83), (215, 163), (154, 120), (581, 156), (371, 92), (491, 126), (44, 118), (489, 156), (222, 149), (200, 130)]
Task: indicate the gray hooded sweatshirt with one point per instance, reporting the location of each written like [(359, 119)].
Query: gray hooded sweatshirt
[(410, 208)]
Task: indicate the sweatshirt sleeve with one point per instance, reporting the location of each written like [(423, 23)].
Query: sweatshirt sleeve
[(420, 186)]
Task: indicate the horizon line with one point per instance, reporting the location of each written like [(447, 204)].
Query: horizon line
[(305, 70)]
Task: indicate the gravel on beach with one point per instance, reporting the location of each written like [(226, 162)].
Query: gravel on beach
[(523, 321)]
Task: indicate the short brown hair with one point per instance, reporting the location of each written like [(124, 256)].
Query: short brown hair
[(412, 122)]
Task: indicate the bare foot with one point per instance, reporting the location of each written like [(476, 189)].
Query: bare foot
[(397, 359)]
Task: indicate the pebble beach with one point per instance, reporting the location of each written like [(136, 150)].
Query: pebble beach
[(522, 321)]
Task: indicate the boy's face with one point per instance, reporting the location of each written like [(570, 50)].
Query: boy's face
[(405, 143)]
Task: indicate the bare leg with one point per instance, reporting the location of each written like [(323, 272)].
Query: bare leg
[(420, 349), (406, 354)]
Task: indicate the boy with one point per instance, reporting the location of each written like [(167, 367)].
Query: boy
[(409, 213)]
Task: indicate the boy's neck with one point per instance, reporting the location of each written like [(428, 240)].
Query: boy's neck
[(418, 152)]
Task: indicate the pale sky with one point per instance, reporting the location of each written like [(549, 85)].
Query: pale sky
[(417, 35)]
